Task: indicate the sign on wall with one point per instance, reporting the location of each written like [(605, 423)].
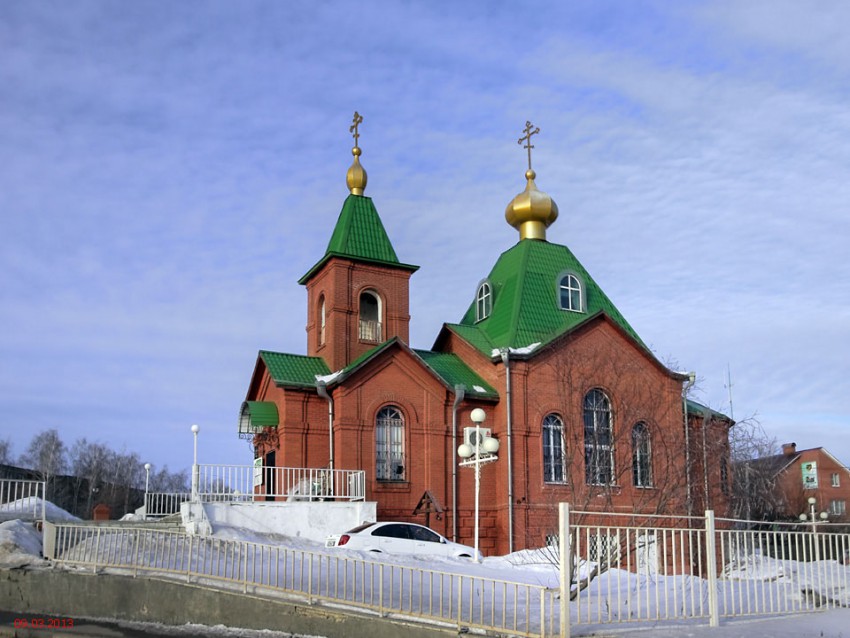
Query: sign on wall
[(258, 471), (810, 475)]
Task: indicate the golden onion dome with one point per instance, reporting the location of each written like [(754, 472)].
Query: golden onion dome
[(356, 177), (532, 211)]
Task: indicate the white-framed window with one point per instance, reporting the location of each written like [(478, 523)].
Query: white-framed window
[(641, 455), (836, 479), (837, 508), (570, 293), (598, 439), (370, 316), (389, 444), (554, 457), (483, 301)]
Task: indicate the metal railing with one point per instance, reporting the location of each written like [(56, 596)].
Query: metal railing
[(162, 504), (370, 330), (261, 482), (663, 568), (465, 601), (22, 499)]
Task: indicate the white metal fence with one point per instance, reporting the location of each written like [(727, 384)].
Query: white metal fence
[(22, 499), (656, 569), (261, 482), (465, 601), (662, 568), (161, 504)]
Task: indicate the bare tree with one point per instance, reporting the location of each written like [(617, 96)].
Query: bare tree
[(90, 464), (166, 481), (756, 464), (5, 452), (46, 454)]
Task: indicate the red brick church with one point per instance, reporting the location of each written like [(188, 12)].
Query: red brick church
[(583, 411)]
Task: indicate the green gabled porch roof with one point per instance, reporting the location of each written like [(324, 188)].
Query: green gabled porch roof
[(294, 369), (525, 307), (359, 235), (447, 367)]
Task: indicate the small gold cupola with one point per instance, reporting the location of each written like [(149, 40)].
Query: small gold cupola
[(356, 177), (532, 211)]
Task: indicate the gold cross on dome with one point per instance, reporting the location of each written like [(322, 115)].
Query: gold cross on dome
[(358, 120), (529, 131)]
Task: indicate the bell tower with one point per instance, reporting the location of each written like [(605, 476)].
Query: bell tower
[(358, 293)]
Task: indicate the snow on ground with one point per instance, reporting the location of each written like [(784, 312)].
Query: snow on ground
[(31, 507), (20, 544)]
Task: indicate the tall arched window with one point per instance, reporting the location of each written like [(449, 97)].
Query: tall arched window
[(598, 439), (570, 289), (389, 444), (553, 450), (483, 302), (322, 320), (370, 316), (641, 455)]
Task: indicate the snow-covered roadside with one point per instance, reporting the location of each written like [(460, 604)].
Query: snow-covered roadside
[(20, 544)]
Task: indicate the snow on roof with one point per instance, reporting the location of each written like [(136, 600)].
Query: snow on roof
[(328, 378)]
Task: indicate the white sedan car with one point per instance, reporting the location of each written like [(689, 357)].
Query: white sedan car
[(400, 538)]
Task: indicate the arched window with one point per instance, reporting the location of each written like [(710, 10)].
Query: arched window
[(553, 450), (570, 289), (322, 320), (370, 316), (389, 444), (641, 456), (483, 302), (598, 440)]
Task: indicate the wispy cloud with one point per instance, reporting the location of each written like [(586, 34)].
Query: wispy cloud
[(170, 171)]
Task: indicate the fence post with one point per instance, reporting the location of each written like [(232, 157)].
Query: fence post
[(566, 562), (48, 531), (711, 567)]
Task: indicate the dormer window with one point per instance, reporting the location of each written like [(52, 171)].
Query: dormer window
[(571, 293), (483, 301)]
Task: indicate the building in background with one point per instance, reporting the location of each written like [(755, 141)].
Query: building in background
[(583, 410), (779, 486)]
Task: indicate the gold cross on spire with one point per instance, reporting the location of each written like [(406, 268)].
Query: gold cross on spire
[(529, 131), (358, 120)]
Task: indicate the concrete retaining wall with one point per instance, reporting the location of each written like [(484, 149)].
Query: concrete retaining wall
[(312, 521), (75, 595)]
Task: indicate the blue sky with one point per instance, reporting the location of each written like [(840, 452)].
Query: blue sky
[(169, 171)]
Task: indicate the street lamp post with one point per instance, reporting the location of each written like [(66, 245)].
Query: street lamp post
[(484, 451), (147, 484), (195, 469), (813, 518)]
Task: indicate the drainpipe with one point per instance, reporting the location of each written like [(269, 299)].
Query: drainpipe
[(692, 377), (506, 353), (460, 392), (322, 389)]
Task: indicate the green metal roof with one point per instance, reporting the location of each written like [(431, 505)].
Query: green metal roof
[(256, 415), (448, 367), (451, 369), (703, 410), (526, 307), (293, 369), (359, 235)]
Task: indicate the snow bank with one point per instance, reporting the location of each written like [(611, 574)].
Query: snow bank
[(31, 507), (20, 544)]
